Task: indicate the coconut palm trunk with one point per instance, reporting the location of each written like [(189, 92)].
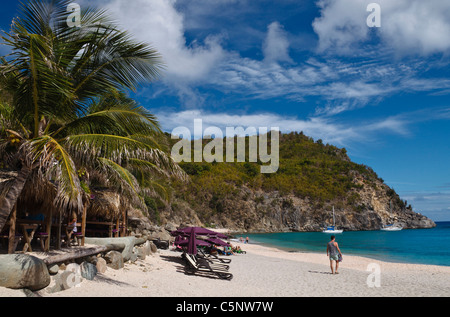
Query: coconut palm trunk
[(9, 201)]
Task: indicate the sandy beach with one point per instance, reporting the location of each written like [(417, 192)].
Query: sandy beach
[(264, 272)]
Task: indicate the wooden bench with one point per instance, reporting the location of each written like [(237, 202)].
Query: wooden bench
[(42, 237), (77, 235)]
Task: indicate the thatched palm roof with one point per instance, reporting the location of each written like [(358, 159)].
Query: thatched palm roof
[(35, 197), (106, 204), (7, 176)]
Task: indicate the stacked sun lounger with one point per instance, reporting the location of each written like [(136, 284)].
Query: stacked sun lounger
[(204, 266)]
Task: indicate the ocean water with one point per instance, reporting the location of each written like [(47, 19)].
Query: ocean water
[(422, 246)]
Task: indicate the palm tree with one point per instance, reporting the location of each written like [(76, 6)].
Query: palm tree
[(63, 108)]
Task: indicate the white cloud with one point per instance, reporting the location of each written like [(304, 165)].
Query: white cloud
[(341, 85), (341, 24), (318, 127), (407, 26), (327, 129), (158, 23), (276, 44)]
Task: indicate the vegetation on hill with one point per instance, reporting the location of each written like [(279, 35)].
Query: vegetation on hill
[(312, 177), (308, 169)]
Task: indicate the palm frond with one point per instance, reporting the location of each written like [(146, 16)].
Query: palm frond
[(123, 173), (87, 147), (57, 165), (122, 120), (122, 180)]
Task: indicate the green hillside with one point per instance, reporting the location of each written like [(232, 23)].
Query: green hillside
[(312, 178), (308, 169)]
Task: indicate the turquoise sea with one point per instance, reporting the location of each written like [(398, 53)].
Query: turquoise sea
[(424, 246)]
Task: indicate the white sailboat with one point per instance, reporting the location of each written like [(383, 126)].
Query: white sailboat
[(332, 229), (392, 226)]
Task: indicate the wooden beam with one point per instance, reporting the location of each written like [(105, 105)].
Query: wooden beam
[(81, 253)]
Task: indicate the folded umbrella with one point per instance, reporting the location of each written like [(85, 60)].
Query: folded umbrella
[(217, 241), (198, 231)]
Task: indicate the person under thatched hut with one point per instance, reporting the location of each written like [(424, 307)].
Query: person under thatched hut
[(73, 222)]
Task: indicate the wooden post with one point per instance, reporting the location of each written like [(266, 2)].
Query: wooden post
[(12, 231), (122, 231), (116, 234), (49, 229), (83, 223), (58, 233), (126, 223)]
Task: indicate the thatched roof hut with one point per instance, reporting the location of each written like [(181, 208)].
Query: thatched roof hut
[(35, 197), (38, 198)]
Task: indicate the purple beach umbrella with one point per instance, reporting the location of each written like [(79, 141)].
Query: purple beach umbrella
[(191, 234), (217, 241), (198, 231), (194, 242), (192, 245), (185, 242)]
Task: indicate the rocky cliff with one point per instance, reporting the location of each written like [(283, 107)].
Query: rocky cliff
[(312, 179), (259, 211)]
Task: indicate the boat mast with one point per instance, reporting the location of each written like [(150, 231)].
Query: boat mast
[(333, 218)]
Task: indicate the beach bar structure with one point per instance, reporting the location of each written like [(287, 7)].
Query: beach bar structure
[(107, 214), (35, 216)]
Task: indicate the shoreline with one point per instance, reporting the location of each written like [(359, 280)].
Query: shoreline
[(318, 258), (346, 255), (389, 256), (263, 272)]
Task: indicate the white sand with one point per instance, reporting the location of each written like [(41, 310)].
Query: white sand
[(261, 272)]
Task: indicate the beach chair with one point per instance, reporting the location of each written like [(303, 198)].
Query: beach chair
[(204, 262), (79, 237), (212, 257), (205, 268), (70, 234)]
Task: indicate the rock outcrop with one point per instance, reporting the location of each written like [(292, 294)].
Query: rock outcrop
[(19, 271), (367, 206)]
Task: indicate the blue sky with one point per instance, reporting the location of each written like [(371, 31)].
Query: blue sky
[(313, 66)]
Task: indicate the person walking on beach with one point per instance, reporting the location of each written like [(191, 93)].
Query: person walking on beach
[(333, 252)]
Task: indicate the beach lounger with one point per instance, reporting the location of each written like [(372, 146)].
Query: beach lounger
[(204, 262), (212, 257), (195, 267)]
